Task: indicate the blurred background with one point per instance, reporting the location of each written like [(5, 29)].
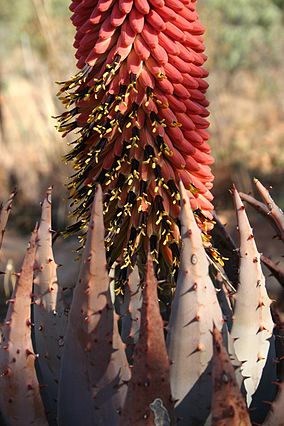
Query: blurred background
[(245, 42)]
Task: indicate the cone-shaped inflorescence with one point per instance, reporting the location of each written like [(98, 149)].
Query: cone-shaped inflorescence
[(139, 107)]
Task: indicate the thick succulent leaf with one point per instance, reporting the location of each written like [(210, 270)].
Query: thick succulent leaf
[(131, 317), (273, 372), (253, 325), (229, 345), (274, 211), (20, 401), (266, 391), (276, 414), (228, 405), (48, 313), (227, 311), (223, 297), (194, 310), (94, 366), (268, 208), (258, 205), (4, 216), (279, 341), (226, 245), (275, 270), (149, 397)]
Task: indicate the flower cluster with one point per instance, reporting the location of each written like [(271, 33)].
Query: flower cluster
[(139, 107)]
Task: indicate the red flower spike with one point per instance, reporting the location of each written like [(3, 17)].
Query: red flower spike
[(139, 106)]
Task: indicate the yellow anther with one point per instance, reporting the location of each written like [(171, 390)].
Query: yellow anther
[(161, 75), (175, 124)]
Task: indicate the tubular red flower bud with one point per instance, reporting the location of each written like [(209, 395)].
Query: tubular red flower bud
[(139, 107)]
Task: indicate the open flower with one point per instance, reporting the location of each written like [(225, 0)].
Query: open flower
[(139, 107)]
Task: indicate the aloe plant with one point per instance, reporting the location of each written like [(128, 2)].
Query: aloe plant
[(160, 386), (161, 329)]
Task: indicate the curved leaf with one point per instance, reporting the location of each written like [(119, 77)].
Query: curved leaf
[(94, 370), (20, 401), (48, 313), (253, 325), (149, 387), (131, 317), (228, 405), (276, 415), (194, 310), (4, 215)]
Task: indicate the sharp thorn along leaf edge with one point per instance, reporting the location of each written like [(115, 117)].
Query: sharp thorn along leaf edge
[(150, 372), (48, 312), (94, 360), (20, 400), (228, 405), (252, 328), (4, 215), (191, 323)]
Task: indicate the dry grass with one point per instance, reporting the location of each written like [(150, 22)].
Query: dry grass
[(31, 147), (247, 122)]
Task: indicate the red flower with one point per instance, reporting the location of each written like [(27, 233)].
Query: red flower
[(140, 109)]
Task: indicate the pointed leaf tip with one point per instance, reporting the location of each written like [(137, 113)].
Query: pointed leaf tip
[(48, 312), (194, 309), (253, 326), (150, 373), (4, 215), (94, 360), (19, 390), (274, 210)]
